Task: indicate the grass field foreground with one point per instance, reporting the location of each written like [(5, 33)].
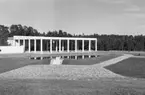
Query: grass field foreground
[(72, 87)]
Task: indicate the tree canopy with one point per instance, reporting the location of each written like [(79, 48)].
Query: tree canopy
[(105, 42), (4, 32)]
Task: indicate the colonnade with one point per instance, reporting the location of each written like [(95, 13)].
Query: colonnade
[(56, 44)]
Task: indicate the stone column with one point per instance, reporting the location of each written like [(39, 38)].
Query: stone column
[(83, 45), (89, 45), (35, 45), (41, 45), (63, 48), (67, 45), (95, 45), (50, 45), (56, 49), (18, 42), (46, 45), (75, 45), (29, 46), (59, 45), (24, 44)]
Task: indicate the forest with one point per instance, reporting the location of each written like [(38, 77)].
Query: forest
[(105, 42)]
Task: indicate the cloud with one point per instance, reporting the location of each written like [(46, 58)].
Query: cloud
[(132, 8), (114, 1), (136, 15), (129, 6), (138, 30), (119, 1)]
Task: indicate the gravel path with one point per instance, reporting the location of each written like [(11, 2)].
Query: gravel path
[(114, 60), (70, 72)]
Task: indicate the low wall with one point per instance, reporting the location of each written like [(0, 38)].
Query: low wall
[(11, 49)]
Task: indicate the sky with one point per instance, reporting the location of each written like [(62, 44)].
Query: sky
[(123, 17)]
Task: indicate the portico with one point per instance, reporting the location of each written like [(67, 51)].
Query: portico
[(37, 44)]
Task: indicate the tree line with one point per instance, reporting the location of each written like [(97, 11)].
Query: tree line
[(105, 42)]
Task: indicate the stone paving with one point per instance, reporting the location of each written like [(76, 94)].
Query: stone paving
[(70, 72)]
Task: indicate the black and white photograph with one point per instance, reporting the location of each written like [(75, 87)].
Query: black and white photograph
[(72, 47)]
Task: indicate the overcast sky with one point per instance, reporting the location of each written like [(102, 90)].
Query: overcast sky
[(77, 16)]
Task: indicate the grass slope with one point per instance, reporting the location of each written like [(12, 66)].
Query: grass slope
[(7, 64), (132, 67)]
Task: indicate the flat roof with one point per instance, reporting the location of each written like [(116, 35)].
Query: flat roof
[(62, 38)]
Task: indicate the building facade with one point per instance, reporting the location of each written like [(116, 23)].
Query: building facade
[(37, 44)]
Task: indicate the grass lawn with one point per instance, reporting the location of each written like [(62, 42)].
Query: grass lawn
[(132, 67), (72, 87), (7, 64)]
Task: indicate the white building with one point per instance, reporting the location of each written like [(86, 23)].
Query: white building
[(37, 44)]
